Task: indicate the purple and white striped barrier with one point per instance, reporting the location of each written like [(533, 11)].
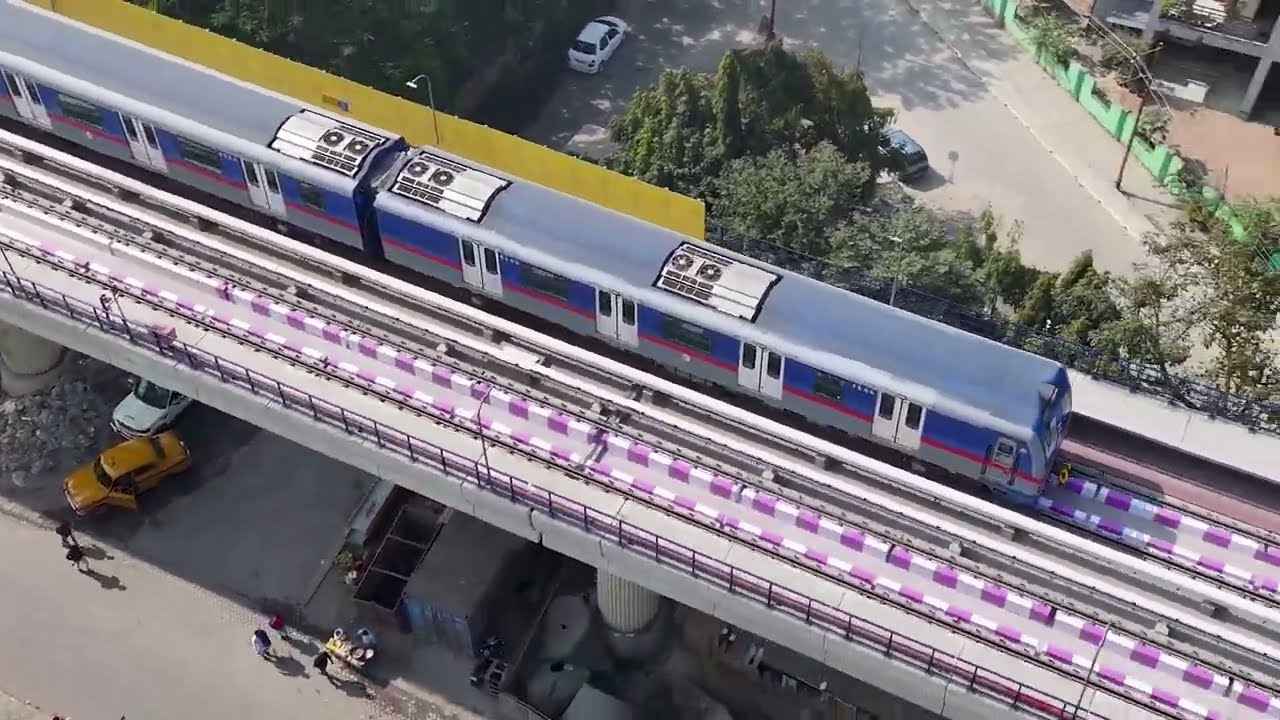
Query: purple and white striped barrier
[(637, 454), (1236, 543)]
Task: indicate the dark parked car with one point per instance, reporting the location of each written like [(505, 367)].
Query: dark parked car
[(905, 156)]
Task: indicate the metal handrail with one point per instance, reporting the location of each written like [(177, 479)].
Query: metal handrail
[(625, 535)]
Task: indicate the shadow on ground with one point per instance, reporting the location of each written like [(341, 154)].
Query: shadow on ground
[(898, 52)]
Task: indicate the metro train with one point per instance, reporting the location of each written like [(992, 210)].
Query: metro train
[(937, 395)]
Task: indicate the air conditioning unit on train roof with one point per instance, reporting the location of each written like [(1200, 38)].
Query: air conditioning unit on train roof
[(324, 141), (452, 187), (732, 287)]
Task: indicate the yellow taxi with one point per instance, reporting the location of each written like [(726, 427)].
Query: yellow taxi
[(119, 475)]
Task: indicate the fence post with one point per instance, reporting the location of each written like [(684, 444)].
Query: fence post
[(191, 359), (768, 596), (280, 390), (248, 376), (586, 522), (511, 483), (311, 400), (693, 564), (888, 648), (217, 365), (408, 442), (343, 414), (933, 653), (66, 302), (808, 612), (444, 465), (377, 434), (1017, 696)]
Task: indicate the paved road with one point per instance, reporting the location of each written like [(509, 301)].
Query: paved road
[(134, 640), (981, 152)]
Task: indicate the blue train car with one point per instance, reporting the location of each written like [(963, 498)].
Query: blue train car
[(204, 130), (948, 398)]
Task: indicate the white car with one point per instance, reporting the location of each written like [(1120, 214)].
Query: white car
[(596, 43), (148, 410)]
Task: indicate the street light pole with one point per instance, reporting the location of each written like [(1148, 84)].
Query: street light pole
[(431, 99), (897, 270)]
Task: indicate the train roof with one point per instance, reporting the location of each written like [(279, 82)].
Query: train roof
[(834, 330), (118, 65), (186, 98)]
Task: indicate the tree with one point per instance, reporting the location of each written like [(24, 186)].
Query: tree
[(1146, 330), (790, 200), (728, 106), (681, 132), (667, 134), (1226, 298)]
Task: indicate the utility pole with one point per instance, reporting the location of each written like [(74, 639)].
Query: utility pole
[(773, 12), (1128, 147)]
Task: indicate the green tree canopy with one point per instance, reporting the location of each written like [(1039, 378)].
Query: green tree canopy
[(790, 200), (683, 131)]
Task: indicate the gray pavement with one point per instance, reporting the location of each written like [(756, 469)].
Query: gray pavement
[(996, 128), (161, 626)]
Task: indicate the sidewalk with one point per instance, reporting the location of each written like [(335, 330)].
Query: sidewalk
[(1064, 128)]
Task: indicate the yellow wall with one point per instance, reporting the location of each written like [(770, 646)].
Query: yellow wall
[(484, 145)]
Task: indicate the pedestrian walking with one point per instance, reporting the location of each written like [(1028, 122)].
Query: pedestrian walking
[(261, 644), (64, 532), (75, 556), (321, 663)]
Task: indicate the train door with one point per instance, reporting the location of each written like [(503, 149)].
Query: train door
[(760, 369), (143, 142), (27, 100), (264, 187), (470, 263), (616, 317), (480, 268), (899, 420), (1000, 461)]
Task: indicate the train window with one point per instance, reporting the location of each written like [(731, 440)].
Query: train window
[(914, 412), (888, 403), (129, 128), (748, 356), (490, 261), (311, 195), (828, 385), (78, 109), (150, 134), (606, 303), (469, 253), (202, 155), (628, 312), (543, 281), (250, 173), (686, 334), (34, 91), (773, 368), (273, 182), (13, 85)]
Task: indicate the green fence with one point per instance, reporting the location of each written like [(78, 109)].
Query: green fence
[(1161, 161)]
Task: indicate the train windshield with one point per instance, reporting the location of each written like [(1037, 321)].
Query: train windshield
[(1054, 424)]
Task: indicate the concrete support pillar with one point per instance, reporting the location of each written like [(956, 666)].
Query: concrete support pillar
[(1255, 86), (28, 362), (625, 606)]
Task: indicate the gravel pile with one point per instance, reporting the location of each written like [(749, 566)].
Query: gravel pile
[(54, 428)]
